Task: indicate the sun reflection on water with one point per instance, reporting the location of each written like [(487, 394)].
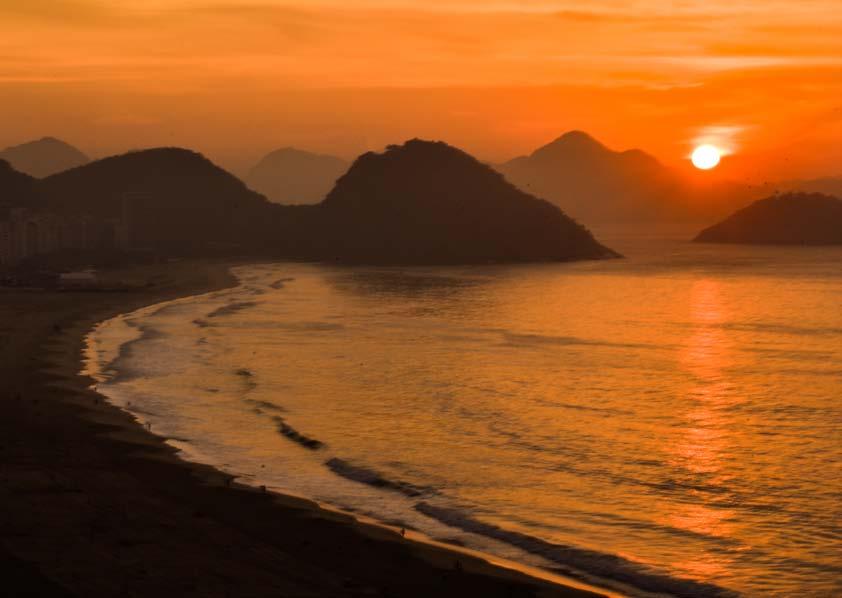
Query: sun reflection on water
[(705, 430)]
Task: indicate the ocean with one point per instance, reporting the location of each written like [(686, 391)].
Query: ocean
[(669, 423)]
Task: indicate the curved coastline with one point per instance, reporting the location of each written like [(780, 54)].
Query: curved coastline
[(138, 505), (369, 525)]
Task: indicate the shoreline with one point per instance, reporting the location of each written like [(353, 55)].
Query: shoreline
[(344, 554), (364, 520)]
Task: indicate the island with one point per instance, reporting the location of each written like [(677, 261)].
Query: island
[(784, 219)]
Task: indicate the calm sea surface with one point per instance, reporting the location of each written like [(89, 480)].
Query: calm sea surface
[(671, 421)]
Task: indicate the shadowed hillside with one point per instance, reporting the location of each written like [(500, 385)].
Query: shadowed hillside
[(292, 176), (429, 202), (16, 189), (790, 219), (598, 185), (43, 157), (175, 199), (422, 203)]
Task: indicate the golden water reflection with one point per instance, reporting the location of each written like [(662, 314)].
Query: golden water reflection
[(705, 434)]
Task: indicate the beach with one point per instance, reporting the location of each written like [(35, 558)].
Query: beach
[(95, 505)]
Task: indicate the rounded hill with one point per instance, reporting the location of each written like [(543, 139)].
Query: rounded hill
[(787, 219), (172, 197), (429, 202), (293, 176), (43, 157)]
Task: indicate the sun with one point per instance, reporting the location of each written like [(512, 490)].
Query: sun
[(706, 157)]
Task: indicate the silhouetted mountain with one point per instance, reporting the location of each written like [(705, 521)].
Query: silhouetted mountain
[(421, 202), (293, 176), (174, 198), (789, 219), (429, 202), (16, 188), (598, 185), (43, 157)]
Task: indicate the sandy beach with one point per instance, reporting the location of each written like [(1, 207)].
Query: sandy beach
[(94, 505)]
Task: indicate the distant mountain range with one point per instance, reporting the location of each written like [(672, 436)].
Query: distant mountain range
[(292, 176), (419, 203), (43, 157), (788, 219), (595, 184)]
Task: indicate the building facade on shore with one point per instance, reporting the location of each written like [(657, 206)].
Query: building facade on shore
[(26, 233)]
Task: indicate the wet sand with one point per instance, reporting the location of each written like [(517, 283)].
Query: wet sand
[(92, 505)]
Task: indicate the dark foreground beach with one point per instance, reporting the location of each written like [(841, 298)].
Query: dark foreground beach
[(93, 505)]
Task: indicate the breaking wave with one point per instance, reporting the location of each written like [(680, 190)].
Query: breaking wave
[(603, 566), (370, 477), (291, 433), (231, 308)]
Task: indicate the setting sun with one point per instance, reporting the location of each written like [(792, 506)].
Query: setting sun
[(706, 157)]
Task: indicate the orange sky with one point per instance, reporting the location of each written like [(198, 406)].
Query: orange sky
[(234, 79)]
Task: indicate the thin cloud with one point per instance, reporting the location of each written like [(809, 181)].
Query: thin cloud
[(728, 63), (723, 137)]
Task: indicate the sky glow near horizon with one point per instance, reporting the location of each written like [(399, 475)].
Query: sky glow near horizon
[(235, 79)]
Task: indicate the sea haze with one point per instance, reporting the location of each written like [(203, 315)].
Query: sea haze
[(669, 421)]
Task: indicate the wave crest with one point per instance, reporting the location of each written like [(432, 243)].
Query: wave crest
[(370, 477), (603, 566)]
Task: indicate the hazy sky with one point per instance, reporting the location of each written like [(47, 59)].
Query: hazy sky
[(498, 78)]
